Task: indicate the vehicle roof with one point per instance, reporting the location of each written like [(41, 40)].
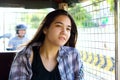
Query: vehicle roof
[(36, 4)]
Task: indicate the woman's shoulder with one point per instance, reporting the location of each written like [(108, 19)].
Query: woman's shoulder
[(25, 55), (26, 51), (68, 50)]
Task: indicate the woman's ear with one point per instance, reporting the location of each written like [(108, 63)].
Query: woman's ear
[(45, 30)]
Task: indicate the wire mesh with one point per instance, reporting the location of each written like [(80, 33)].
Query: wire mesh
[(97, 43)]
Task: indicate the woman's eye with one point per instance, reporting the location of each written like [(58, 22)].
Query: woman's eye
[(69, 29), (58, 25)]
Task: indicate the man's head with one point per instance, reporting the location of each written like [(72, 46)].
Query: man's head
[(21, 30)]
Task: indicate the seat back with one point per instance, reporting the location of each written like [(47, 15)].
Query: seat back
[(6, 59)]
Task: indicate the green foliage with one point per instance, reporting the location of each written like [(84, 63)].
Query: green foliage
[(36, 20), (111, 3), (33, 19), (82, 17), (87, 19), (95, 2)]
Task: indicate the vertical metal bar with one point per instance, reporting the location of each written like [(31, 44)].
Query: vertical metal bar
[(118, 39), (117, 54), (4, 29)]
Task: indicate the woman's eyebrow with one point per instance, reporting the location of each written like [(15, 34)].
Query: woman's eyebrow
[(58, 23), (61, 23)]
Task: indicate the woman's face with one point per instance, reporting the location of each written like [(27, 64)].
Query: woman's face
[(59, 31)]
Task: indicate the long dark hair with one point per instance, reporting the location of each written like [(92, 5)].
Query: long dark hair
[(40, 36)]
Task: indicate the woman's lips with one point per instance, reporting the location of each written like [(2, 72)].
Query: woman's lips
[(62, 38)]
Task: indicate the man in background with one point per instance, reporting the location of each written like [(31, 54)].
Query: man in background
[(20, 39)]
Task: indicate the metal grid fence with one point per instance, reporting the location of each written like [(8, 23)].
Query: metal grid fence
[(97, 43)]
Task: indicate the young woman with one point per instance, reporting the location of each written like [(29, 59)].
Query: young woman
[(51, 54)]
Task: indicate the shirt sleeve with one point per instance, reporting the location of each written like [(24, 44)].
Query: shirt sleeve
[(79, 70), (10, 43), (19, 68)]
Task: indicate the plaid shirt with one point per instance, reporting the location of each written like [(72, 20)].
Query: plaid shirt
[(70, 66)]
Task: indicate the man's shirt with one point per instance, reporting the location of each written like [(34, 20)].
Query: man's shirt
[(16, 42)]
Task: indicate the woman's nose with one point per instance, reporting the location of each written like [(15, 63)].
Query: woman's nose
[(64, 30)]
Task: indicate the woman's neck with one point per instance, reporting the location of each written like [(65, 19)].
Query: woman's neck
[(49, 55), (49, 52)]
